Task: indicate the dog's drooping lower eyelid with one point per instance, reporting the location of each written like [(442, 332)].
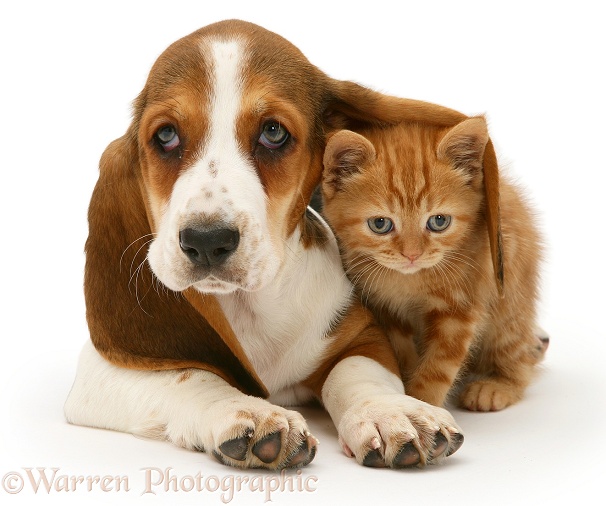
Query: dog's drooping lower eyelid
[(168, 142), (168, 138), (273, 135), (266, 149)]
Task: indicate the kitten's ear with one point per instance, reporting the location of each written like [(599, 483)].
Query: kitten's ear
[(468, 146), (346, 152), (464, 145)]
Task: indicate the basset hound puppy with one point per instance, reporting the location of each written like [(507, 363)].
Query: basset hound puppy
[(214, 295)]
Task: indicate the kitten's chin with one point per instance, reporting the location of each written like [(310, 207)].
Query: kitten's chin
[(409, 269), (404, 268), (414, 267)]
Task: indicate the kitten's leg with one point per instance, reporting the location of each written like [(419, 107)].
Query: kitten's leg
[(506, 357), (444, 349), (402, 341)]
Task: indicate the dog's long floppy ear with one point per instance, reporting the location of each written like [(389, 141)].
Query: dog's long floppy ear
[(353, 106), (133, 320)]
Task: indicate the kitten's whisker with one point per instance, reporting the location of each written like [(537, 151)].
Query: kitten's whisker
[(382, 273), (360, 271), (462, 284), (374, 278), (351, 265), (366, 271), (463, 278), (359, 260), (450, 279), (371, 277), (464, 259)]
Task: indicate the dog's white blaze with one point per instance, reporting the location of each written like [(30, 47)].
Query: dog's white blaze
[(283, 327), (222, 184), (226, 101)]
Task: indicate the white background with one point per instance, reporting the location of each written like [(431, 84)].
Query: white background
[(68, 75)]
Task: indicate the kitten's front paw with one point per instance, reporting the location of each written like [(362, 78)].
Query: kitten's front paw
[(248, 432), (489, 395), (398, 431)]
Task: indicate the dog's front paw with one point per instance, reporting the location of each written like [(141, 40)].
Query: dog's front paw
[(398, 431), (264, 435), (248, 432)]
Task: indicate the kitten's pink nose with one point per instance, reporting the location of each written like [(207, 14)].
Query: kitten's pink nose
[(411, 256)]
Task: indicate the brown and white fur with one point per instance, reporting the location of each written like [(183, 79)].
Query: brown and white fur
[(408, 206), (209, 284)]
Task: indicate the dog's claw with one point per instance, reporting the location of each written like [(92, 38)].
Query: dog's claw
[(440, 445), (456, 441)]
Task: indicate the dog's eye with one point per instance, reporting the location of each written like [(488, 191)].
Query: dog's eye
[(380, 225), (438, 223), (273, 135), (168, 138)]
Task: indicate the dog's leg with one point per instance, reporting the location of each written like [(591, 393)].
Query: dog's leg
[(378, 424), (192, 408)]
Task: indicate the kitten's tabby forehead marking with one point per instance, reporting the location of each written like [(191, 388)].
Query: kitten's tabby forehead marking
[(407, 160)]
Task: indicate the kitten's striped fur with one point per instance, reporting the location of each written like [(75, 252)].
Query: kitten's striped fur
[(434, 291)]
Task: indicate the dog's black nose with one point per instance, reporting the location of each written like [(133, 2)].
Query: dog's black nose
[(208, 247)]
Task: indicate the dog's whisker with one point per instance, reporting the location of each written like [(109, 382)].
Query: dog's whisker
[(139, 299), (137, 252), (132, 243)]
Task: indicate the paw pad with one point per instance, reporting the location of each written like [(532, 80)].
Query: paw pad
[(304, 455), (268, 448), (236, 448), (408, 456), (374, 459)]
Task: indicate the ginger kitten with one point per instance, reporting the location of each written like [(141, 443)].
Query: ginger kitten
[(407, 205)]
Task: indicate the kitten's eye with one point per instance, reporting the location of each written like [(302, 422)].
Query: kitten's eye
[(273, 135), (439, 222), (168, 138), (380, 225)]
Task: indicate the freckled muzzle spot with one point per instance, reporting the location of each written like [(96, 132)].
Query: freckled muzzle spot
[(213, 169)]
